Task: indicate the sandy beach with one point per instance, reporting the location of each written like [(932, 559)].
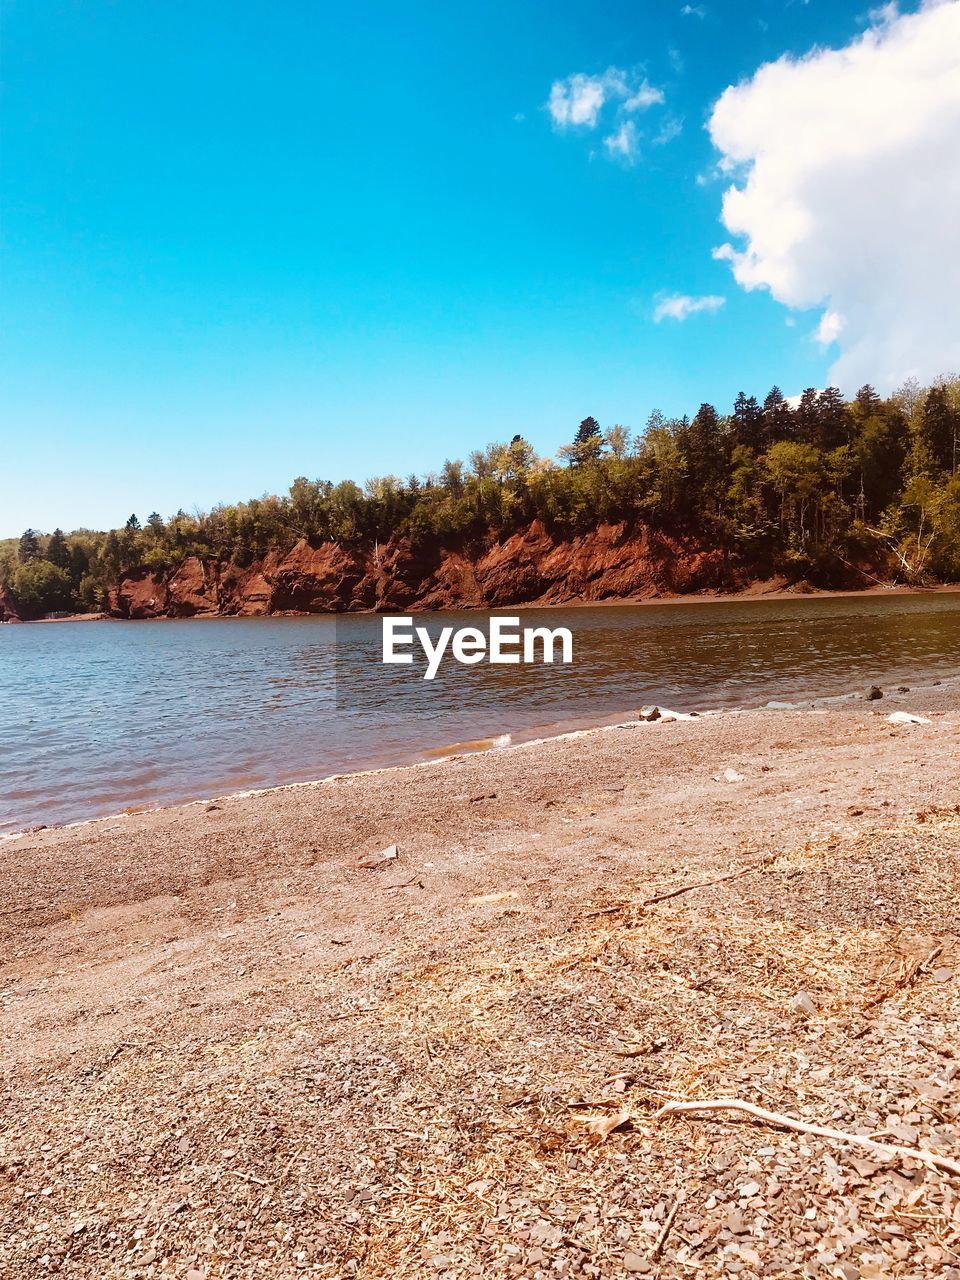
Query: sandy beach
[(240, 1041)]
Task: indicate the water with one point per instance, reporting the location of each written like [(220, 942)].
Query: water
[(98, 717)]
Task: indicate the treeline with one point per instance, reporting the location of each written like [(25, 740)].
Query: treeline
[(796, 488)]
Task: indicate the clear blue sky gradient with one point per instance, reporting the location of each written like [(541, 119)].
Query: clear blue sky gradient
[(244, 242)]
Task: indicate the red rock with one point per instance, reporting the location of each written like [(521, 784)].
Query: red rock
[(528, 567)]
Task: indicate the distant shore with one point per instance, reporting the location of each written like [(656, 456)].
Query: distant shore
[(772, 590)]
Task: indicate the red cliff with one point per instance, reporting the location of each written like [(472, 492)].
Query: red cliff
[(530, 567)]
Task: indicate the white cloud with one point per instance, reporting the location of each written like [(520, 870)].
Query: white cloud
[(848, 191), (645, 96), (579, 99), (622, 145), (681, 305), (693, 11), (829, 328), (670, 129)]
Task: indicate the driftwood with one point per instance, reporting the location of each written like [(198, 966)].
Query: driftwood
[(705, 884), (885, 1149), (665, 1230), (676, 893)]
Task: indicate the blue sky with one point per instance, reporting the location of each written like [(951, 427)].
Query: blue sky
[(244, 242)]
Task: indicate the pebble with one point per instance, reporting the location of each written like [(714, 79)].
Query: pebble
[(634, 1262)]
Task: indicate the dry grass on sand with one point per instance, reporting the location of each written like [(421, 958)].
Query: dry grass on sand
[(452, 1068)]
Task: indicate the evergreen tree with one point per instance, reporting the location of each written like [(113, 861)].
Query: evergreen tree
[(832, 420), (29, 548), (777, 417), (587, 443), (58, 553), (938, 430), (79, 562), (748, 423), (866, 403), (808, 417), (802, 490), (706, 458)]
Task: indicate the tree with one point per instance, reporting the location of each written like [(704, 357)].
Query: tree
[(451, 477), (40, 587), (938, 430), (808, 416), (664, 468), (832, 420), (748, 422), (307, 513), (909, 396), (879, 448), (110, 554), (617, 440), (796, 472), (769, 484), (777, 417), (58, 552), (520, 457), (744, 497), (867, 403), (705, 450), (29, 548), (587, 444), (79, 562)]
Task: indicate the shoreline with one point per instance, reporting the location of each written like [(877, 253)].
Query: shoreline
[(416, 1014), (756, 591), (444, 753)]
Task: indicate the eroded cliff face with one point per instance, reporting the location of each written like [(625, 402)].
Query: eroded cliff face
[(530, 567), (8, 610)]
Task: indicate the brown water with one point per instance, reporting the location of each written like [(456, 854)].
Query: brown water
[(98, 717)]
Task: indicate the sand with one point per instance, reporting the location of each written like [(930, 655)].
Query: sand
[(237, 1043)]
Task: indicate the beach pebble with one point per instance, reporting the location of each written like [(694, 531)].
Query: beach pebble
[(874, 693), (635, 1263), (390, 854)]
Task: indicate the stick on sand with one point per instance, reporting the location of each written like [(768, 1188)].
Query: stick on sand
[(942, 1163)]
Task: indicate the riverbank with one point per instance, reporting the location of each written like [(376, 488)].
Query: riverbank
[(243, 1041), (770, 589)]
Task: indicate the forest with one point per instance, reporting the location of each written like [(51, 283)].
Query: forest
[(796, 487)]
